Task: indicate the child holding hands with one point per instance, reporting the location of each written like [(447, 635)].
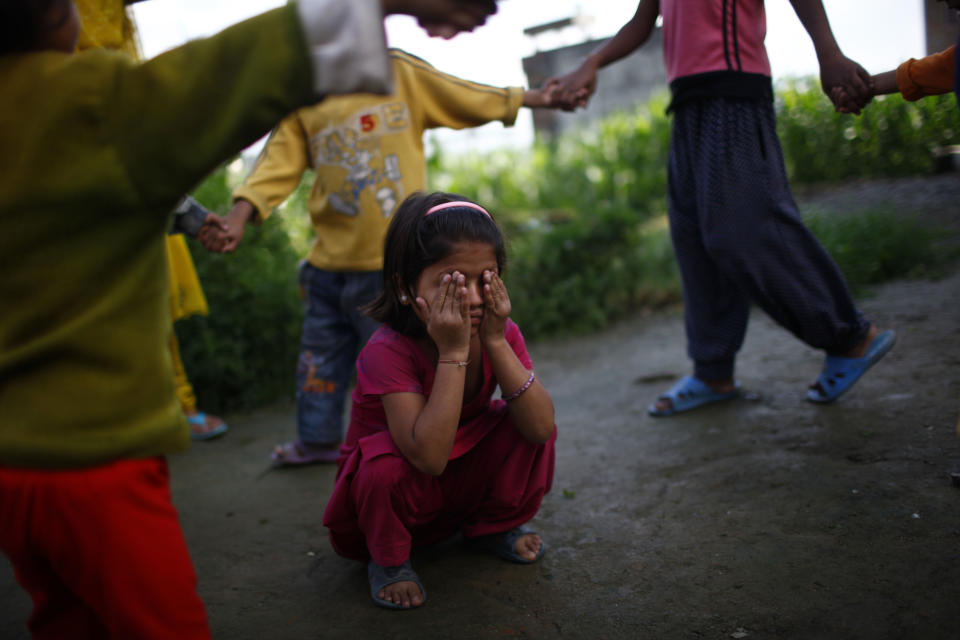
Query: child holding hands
[(367, 152), (429, 451), (914, 79), (736, 230)]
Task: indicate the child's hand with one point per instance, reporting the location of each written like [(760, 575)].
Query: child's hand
[(496, 307), (227, 239), (573, 90), (213, 232), (856, 82), (544, 97), (843, 102), (444, 18), (448, 317)]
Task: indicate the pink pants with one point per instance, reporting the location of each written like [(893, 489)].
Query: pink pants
[(494, 487), (101, 552)]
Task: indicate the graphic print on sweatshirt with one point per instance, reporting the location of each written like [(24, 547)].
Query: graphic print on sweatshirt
[(355, 146)]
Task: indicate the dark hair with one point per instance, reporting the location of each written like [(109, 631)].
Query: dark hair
[(21, 23), (415, 241)]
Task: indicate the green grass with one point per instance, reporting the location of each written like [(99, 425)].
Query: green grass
[(875, 246)]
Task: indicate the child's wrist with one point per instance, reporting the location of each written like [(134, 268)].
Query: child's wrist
[(494, 343), (592, 62), (454, 356)]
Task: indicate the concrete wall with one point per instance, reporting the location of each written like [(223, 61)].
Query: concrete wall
[(620, 85)]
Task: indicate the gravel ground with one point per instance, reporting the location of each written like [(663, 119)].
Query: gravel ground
[(932, 199)]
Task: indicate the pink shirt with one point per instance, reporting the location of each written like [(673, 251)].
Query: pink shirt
[(394, 363), (701, 36)]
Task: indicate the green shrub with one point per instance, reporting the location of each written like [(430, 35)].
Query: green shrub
[(580, 274), (891, 138), (243, 354), (875, 246)]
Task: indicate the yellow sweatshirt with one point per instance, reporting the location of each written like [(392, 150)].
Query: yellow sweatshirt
[(368, 155)]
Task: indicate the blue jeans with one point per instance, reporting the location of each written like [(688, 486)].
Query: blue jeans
[(334, 331)]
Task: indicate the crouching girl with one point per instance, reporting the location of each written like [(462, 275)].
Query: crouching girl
[(429, 451)]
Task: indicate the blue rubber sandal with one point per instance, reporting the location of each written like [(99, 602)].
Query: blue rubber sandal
[(504, 544), (199, 430), (690, 393), (380, 577), (840, 374)]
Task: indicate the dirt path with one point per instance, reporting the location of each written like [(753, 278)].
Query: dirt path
[(764, 518)]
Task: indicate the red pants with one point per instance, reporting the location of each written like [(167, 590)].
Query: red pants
[(101, 552), (494, 487)]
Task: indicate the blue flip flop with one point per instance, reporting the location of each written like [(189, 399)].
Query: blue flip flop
[(690, 393), (380, 577), (199, 419), (840, 374)]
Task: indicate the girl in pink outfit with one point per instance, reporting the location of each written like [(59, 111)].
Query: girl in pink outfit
[(429, 451)]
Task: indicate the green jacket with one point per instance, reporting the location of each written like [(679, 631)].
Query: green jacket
[(97, 150)]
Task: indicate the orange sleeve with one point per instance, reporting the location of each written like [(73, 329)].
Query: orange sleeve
[(926, 76)]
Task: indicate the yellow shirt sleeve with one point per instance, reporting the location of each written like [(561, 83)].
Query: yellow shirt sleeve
[(278, 169), (927, 76), (443, 100)]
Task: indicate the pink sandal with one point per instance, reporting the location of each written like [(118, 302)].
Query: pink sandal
[(296, 454)]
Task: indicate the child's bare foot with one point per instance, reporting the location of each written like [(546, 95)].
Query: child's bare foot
[(405, 594), (521, 544), (528, 546), (395, 587)]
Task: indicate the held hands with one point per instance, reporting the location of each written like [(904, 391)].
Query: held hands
[(496, 307), (212, 225), (843, 102), (573, 90), (226, 238), (543, 98), (848, 85), (448, 317)]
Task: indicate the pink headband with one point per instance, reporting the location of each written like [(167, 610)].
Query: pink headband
[(457, 203)]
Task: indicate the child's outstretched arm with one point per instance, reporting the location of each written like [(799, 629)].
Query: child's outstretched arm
[(885, 83), (914, 79), (528, 401), (835, 68), (274, 177), (575, 88), (424, 429), (920, 77), (542, 97)]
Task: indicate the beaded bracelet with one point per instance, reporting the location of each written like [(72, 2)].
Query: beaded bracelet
[(459, 363), (516, 394)]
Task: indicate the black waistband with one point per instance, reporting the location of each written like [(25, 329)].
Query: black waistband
[(725, 84)]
